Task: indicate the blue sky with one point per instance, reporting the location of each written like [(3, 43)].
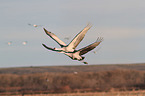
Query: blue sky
[(120, 22)]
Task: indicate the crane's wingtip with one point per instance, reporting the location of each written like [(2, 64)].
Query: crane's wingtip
[(44, 45), (85, 63), (44, 29)]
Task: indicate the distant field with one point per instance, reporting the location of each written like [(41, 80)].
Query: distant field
[(70, 69)]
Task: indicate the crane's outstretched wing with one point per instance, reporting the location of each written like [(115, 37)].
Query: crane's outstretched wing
[(90, 47), (54, 37), (79, 37), (52, 49)]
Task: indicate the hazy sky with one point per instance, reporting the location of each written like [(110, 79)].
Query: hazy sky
[(120, 22)]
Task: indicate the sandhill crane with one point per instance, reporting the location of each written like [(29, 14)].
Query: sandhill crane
[(69, 49), (77, 54), (73, 44)]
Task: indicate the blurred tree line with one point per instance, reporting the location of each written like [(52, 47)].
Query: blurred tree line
[(118, 79)]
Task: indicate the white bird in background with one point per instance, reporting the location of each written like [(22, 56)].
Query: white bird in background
[(9, 43), (75, 72), (24, 43), (34, 25), (66, 38), (69, 49)]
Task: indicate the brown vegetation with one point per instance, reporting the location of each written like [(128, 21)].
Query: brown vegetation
[(53, 82)]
